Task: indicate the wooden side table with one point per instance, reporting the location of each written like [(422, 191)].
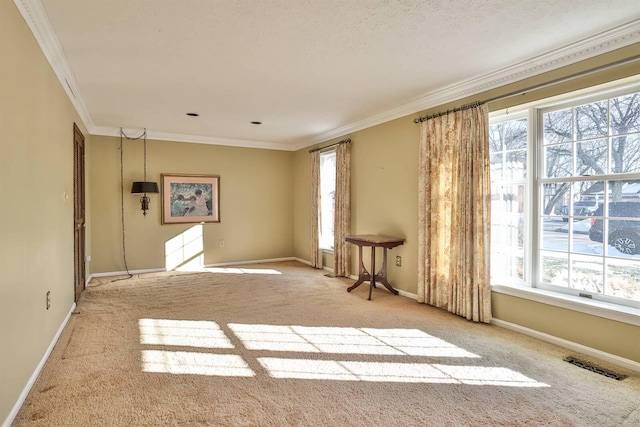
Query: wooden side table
[(374, 241)]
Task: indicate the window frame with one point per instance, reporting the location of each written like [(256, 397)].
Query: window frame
[(532, 288), (326, 153), (540, 179)]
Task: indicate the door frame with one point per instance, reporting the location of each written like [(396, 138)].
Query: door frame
[(79, 275)]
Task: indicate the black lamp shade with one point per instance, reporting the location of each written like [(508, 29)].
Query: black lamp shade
[(144, 187)]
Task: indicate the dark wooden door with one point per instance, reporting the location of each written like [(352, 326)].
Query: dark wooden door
[(78, 212)]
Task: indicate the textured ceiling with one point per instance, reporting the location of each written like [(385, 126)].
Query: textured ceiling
[(309, 70)]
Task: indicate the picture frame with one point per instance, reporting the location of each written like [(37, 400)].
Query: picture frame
[(190, 198)]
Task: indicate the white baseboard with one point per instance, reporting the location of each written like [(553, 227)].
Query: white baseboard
[(255, 261), (25, 392), (407, 294), (120, 273), (607, 357), (304, 261), (221, 264)]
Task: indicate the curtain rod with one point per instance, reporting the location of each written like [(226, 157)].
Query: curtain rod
[(442, 113), (538, 86), (344, 141)]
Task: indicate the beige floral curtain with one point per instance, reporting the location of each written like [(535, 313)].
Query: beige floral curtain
[(342, 225), (454, 214), (316, 252)]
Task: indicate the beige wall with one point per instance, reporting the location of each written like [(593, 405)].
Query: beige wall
[(36, 219), (610, 336), (256, 202), (384, 201), (384, 190)]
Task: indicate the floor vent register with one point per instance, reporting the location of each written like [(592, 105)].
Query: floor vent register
[(589, 367)]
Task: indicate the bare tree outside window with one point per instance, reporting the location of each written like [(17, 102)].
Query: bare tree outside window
[(594, 139)]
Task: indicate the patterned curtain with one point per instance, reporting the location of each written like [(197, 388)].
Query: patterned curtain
[(342, 224), (316, 252), (454, 214)]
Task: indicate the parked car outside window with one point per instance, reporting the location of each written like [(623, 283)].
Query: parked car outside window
[(581, 208), (624, 226)]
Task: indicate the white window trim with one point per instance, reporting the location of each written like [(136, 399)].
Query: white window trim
[(529, 291), (611, 311)]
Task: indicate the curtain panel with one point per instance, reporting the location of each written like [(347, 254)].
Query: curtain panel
[(342, 224), (454, 213), (316, 252)]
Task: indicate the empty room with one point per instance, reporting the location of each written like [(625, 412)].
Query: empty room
[(306, 212)]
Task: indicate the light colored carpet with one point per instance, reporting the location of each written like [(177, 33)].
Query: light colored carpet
[(282, 345)]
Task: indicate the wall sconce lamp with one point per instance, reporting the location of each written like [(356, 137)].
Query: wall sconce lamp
[(143, 187)]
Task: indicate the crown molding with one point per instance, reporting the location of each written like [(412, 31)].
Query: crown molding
[(36, 18), (196, 139), (599, 44)]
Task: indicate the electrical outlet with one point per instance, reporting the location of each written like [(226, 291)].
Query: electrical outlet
[(399, 261), (222, 243), (48, 299)]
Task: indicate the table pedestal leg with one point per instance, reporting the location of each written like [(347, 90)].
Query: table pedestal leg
[(382, 275), (363, 274), (373, 269)]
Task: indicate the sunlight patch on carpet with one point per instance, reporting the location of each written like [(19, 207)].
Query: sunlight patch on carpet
[(345, 340), (394, 372), (314, 339), (191, 363), (488, 375), (187, 333), (234, 270)]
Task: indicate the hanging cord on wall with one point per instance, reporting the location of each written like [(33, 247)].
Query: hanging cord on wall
[(145, 156), (124, 246)]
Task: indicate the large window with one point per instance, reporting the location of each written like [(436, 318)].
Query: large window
[(568, 220), (327, 198)]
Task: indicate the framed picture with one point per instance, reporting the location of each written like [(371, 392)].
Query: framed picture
[(190, 198)]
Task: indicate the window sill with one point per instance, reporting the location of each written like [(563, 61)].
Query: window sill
[(606, 310), (327, 251)]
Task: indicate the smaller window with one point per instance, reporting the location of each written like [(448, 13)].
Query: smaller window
[(327, 198)]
